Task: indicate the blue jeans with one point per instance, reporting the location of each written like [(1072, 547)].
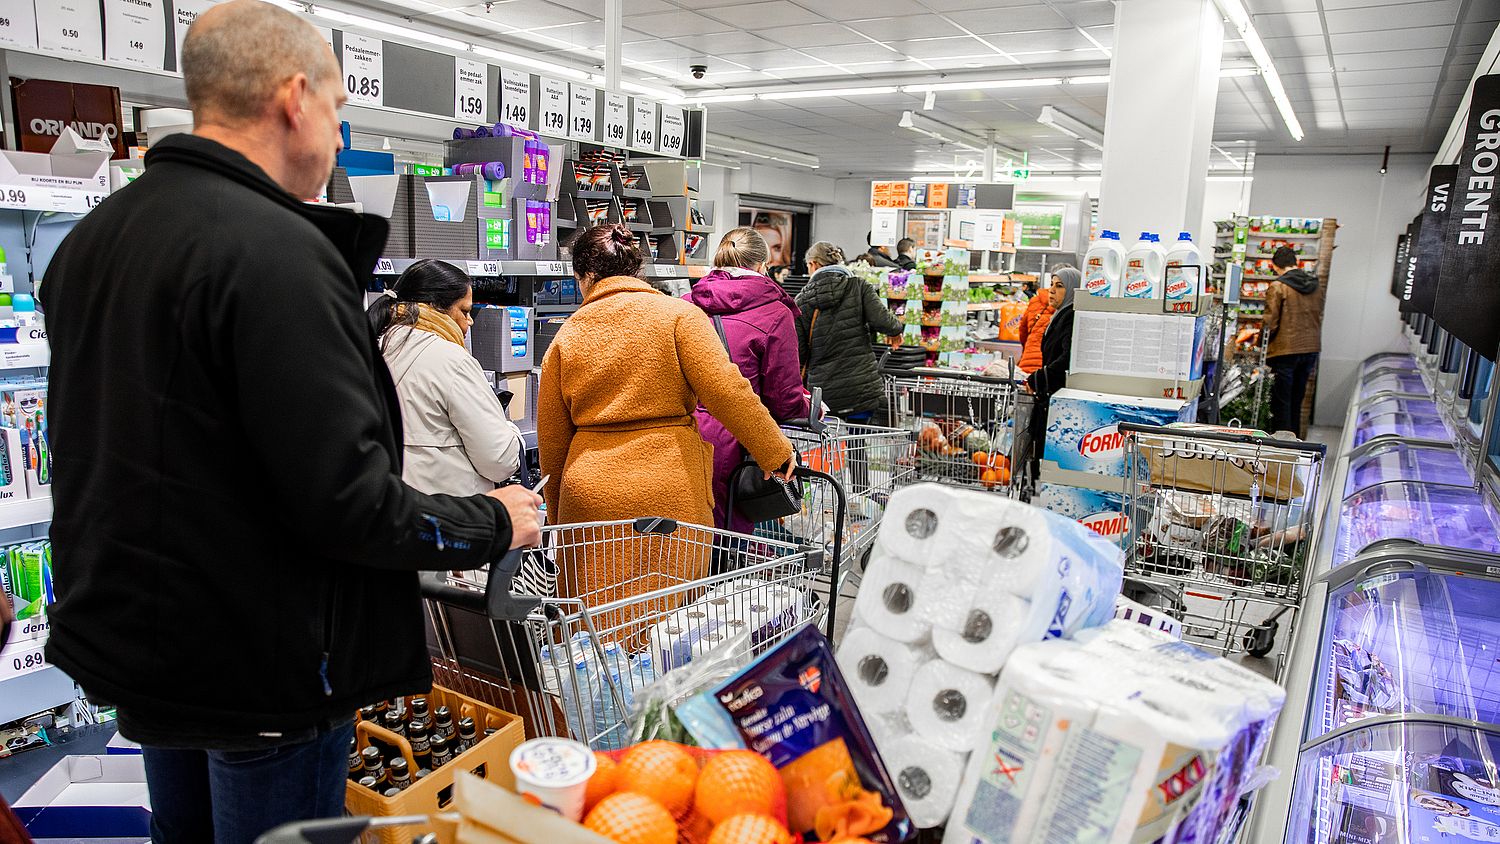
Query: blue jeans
[(232, 797)]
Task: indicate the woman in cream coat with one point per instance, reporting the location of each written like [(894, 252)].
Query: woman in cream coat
[(457, 439)]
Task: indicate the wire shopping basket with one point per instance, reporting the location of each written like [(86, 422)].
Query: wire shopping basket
[(1223, 518), (966, 427), (622, 603)]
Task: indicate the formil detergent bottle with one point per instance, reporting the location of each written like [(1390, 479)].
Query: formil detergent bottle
[(1103, 265), (1143, 268), (1184, 275)]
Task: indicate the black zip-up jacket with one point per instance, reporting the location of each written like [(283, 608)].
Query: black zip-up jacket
[(836, 350), (234, 551)]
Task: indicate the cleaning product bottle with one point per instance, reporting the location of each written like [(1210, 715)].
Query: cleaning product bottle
[(1143, 268), (1103, 265), (1184, 276), (7, 283), (24, 309)]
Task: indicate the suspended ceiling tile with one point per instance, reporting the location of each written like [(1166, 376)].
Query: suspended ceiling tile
[(530, 14), (1410, 38), (812, 35), (1391, 59), (845, 10), (952, 47), (1405, 75), (632, 7), (751, 15), (673, 24), (852, 53), (726, 42), (1090, 13), (1055, 39), (769, 59), (911, 26), (1013, 19), (1350, 91), (1393, 17), (657, 50)]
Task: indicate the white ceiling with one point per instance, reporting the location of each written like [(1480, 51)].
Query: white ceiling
[(1361, 74)]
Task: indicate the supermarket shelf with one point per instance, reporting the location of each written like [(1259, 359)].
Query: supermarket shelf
[(396, 266), (1285, 235), (985, 306), (26, 512), (31, 693), (24, 355)]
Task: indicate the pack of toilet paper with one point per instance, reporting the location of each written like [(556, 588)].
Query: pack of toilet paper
[(764, 609), (958, 580), (1120, 735)]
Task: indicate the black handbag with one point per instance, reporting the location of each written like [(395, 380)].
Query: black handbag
[(756, 497)]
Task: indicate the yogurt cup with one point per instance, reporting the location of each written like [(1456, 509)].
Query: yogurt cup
[(555, 771)]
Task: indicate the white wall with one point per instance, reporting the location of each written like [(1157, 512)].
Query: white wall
[(1361, 318), (845, 220)]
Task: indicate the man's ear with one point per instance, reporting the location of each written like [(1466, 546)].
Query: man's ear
[(294, 96)]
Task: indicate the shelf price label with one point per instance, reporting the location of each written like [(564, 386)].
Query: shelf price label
[(364, 69), (385, 267), (484, 269), (70, 28), (184, 12), (554, 108), (643, 126), (673, 130), (515, 98), (18, 24), (22, 658), (135, 33), (552, 268), (583, 113), (616, 119), (471, 101)]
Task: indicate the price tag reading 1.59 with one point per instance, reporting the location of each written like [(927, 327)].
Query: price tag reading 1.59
[(471, 89)]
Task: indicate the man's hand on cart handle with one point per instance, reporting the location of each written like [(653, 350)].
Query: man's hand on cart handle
[(522, 505)]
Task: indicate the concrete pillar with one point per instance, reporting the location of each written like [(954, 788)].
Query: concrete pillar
[(1163, 85), (614, 26)]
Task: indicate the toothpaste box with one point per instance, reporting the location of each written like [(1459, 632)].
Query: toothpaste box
[(24, 408), (1099, 511), (1083, 432)]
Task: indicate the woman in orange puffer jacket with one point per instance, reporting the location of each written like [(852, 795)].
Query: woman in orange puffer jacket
[(1033, 326)]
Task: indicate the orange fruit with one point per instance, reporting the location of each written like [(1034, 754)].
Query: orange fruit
[(602, 783), (1002, 474), (632, 819), (750, 828), (663, 771), (738, 782), (1000, 460), (989, 477), (981, 458)]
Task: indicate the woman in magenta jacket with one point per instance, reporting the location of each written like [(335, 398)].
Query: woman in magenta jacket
[(759, 325)]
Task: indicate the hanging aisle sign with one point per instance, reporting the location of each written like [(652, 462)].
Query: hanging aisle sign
[(135, 33), (1468, 294), (1398, 278), (616, 119), (1427, 245), (553, 117), (515, 98), (643, 126), (673, 131), (364, 69), (1408, 266), (70, 28), (470, 91), (18, 24), (583, 111)]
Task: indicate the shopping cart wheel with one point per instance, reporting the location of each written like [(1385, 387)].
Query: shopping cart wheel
[(1260, 640)]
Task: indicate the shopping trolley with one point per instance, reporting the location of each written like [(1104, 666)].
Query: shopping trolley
[(961, 422), (631, 600), (1221, 523)]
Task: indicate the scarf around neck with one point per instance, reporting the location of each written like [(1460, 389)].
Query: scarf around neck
[(434, 321)]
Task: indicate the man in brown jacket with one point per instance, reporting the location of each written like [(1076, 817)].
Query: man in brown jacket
[(1294, 324)]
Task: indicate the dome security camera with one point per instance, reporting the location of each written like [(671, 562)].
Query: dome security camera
[(699, 70)]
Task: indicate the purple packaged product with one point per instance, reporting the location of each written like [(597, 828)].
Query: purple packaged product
[(546, 222), (531, 222), (793, 707), (544, 153), (462, 134)]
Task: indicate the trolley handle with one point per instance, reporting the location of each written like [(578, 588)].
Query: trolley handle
[(814, 422), (496, 601), (959, 375), (1219, 436)]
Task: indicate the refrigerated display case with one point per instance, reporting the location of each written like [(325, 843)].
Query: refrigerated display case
[(1383, 403), (1401, 426), (1382, 380), (1414, 512), (1389, 360), (1402, 460)]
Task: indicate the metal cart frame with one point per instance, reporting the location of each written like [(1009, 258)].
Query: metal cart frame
[(1222, 518), (570, 665), (962, 402)]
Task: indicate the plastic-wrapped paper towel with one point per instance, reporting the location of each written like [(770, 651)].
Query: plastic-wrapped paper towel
[(1125, 735), (946, 705), (892, 600)]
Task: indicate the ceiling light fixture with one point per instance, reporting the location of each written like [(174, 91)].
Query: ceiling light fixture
[(827, 92), (1235, 11), (1087, 80), (720, 98), (982, 85), (1072, 127), (527, 61), (940, 131), (1238, 72), (374, 25), (667, 94), (736, 146)]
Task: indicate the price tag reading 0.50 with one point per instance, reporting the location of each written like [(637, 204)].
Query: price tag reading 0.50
[(362, 86)]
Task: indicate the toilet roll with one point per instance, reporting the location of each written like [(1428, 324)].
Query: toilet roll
[(927, 778), (946, 705), (891, 599), (913, 517), (987, 633), (879, 669)]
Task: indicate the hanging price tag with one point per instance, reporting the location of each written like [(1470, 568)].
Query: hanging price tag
[(554, 108), (484, 269), (616, 119), (385, 266), (583, 113), (552, 268), (184, 13), (136, 33), (643, 126), (364, 69), (471, 91), (673, 130), (515, 98), (70, 28), (18, 24)]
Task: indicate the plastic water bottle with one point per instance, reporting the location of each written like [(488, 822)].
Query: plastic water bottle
[(1144, 264), (1103, 265), (608, 711), (1184, 275), (578, 695)]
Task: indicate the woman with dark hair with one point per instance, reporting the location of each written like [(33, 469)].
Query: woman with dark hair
[(615, 417), (457, 439)]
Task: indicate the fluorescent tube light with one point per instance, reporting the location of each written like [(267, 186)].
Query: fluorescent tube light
[(982, 85), (827, 92), (408, 33), (1087, 80), (1072, 127), (1240, 18), (738, 147), (668, 94), (527, 61), (720, 98), (1237, 72)]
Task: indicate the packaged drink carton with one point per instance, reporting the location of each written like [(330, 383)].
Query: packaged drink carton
[(1144, 264), (28, 581), (1099, 511), (1103, 265), (1185, 269), (1083, 431)]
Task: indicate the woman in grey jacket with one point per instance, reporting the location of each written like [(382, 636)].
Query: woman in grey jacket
[(456, 437), (840, 313)]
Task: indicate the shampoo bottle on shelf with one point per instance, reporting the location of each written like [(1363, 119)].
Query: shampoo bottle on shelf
[(1143, 268), (1184, 276), (1103, 265)]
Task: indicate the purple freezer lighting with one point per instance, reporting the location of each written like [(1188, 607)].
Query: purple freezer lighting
[(1389, 361), (1428, 514), (1399, 461), (1393, 382), (1400, 425), (1413, 407)]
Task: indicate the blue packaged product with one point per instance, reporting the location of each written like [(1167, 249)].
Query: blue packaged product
[(794, 707)]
